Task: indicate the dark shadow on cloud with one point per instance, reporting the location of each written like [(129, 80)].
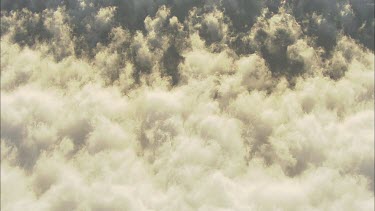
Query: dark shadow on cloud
[(321, 21), (355, 18), (242, 12), (171, 60)]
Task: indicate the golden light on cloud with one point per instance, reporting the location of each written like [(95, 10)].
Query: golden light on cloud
[(187, 105)]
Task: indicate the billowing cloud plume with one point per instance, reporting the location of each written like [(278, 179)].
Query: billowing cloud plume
[(187, 105)]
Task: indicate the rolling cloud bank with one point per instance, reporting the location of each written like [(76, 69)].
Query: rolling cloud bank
[(187, 105)]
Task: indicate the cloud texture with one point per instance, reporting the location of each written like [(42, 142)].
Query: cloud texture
[(187, 105)]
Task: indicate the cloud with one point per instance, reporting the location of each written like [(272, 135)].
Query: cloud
[(187, 105)]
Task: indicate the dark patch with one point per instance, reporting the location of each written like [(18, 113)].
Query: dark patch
[(171, 60)]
